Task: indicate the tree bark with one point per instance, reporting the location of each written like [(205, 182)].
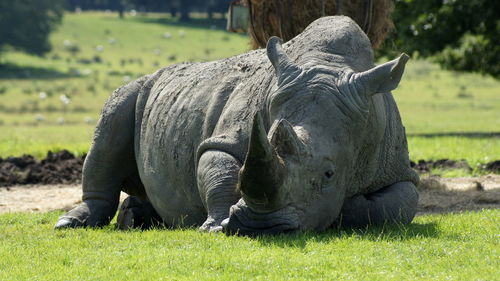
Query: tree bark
[(185, 7)]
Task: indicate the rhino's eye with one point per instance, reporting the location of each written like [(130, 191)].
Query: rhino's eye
[(329, 174)]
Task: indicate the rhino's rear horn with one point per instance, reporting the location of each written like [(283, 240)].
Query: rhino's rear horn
[(285, 69), (261, 173)]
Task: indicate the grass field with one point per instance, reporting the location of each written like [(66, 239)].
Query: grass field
[(53, 102), (436, 247)]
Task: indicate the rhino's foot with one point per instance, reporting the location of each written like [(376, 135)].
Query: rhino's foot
[(137, 213), (91, 213), (211, 225), (396, 203)]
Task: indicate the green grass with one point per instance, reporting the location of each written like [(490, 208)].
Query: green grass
[(38, 140), (435, 101), (450, 115), (435, 247), (446, 114), (477, 152), (33, 125)]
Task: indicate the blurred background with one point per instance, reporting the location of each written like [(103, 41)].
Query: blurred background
[(61, 59)]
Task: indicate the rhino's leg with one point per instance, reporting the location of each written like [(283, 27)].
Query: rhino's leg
[(110, 162), (217, 176), (396, 203), (136, 212)]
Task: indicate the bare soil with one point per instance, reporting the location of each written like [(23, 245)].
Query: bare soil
[(437, 195), (57, 168), (41, 198), (442, 195), (65, 168)]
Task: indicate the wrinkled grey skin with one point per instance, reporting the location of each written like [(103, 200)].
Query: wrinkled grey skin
[(293, 138)]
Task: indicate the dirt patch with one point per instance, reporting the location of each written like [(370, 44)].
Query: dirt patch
[(41, 198), (423, 166), (437, 195), (64, 168), (57, 168), (493, 166), (27, 184), (440, 195)]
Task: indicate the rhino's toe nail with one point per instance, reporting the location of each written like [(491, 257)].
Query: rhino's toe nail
[(224, 227), (224, 223), (202, 228), (215, 229), (67, 222)]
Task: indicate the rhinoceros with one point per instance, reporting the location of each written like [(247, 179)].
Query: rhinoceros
[(305, 138)]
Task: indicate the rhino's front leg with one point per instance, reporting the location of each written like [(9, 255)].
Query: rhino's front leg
[(217, 176), (396, 203)]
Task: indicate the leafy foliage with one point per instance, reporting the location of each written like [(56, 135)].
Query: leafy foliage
[(26, 24), (459, 34)]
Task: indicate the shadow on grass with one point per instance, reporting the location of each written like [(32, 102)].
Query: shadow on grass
[(459, 134), (380, 233), (13, 71)]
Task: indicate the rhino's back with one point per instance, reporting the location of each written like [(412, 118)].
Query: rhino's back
[(189, 105)]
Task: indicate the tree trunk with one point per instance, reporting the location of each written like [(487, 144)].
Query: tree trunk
[(185, 7), (121, 12)]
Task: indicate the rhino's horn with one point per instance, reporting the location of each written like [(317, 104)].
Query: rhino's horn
[(261, 173), (286, 141), (285, 69)]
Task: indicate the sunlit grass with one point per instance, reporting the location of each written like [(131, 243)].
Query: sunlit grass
[(475, 150), (438, 247), (38, 140)]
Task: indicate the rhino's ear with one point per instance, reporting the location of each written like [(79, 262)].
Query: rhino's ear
[(383, 78), (285, 69)]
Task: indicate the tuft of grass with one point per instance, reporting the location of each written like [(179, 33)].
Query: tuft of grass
[(460, 246)]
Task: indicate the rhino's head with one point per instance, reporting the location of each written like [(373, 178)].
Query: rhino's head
[(295, 175)]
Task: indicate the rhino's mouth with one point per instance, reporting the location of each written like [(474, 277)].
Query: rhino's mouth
[(245, 221)]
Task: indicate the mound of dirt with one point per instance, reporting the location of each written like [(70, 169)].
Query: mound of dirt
[(64, 168), (57, 168), (493, 166), (423, 166)]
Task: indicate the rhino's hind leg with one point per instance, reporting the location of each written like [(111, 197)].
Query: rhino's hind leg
[(217, 176), (110, 162), (139, 213), (396, 203)]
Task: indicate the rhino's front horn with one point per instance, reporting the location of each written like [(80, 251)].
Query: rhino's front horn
[(262, 171), (285, 69)]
